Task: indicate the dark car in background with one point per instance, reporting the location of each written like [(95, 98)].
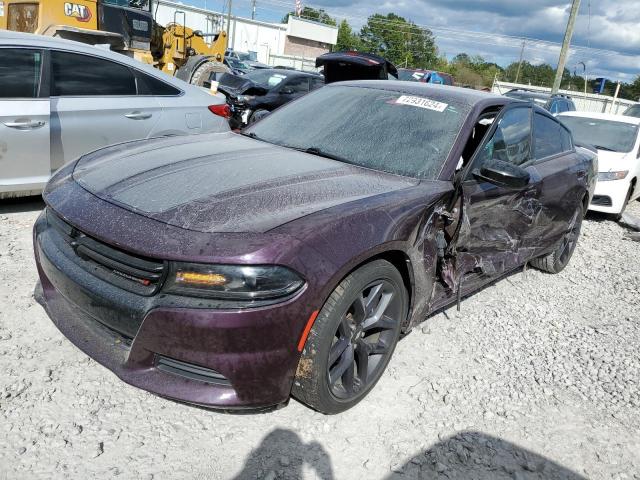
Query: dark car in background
[(234, 270), (552, 103), (424, 76), (251, 95)]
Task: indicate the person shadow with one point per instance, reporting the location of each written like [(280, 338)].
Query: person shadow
[(469, 455), (282, 455)]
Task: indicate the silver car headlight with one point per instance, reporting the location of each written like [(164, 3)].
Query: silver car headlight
[(232, 282), (609, 176)]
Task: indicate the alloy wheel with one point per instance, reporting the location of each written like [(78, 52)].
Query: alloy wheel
[(364, 339)]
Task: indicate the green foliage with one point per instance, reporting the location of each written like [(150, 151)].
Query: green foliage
[(347, 39), (309, 13), (400, 41)]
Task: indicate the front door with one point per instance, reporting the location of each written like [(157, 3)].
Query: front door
[(24, 122), (499, 222)]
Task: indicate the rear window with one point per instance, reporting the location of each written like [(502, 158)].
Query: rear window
[(148, 85), (20, 72), (84, 75)]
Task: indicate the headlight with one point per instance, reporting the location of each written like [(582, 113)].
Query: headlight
[(244, 98), (232, 282), (608, 176)]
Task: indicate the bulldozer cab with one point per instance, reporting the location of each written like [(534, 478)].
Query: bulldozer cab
[(123, 24)]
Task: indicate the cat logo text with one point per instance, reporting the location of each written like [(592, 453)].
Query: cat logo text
[(79, 12)]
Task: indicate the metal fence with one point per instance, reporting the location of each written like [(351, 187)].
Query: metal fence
[(589, 103), (299, 63)]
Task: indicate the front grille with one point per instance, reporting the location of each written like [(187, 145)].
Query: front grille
[(190, 371), (602, 201), (134, 273)]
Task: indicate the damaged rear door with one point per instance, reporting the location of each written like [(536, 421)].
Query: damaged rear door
[(498, 230)]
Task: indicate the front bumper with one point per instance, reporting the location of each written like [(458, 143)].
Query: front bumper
[(253, 351), (609, 196)]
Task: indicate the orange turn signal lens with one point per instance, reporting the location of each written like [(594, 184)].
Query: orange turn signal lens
[(201, 279)]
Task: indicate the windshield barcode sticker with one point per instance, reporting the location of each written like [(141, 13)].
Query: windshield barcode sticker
[(422, 103)]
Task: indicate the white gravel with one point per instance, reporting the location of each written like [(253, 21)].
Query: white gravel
[(537, 377)]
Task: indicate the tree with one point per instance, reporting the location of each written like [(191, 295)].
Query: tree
[(309, 13), (347, 39), (398, 40)]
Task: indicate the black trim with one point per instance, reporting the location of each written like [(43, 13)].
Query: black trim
[(190, 371)]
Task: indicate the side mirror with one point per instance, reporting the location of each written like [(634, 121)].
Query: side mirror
[(503, 174)]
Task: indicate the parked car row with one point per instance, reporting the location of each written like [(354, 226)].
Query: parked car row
[(236, 269)]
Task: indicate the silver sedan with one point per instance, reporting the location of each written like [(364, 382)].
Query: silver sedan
[(61, 99)]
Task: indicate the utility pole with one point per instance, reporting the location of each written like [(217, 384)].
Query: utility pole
[(524, 42), (229, 21), (562, 61), (253, 9)]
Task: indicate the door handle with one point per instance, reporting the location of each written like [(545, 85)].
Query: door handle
[(138, 115), (25, 124)]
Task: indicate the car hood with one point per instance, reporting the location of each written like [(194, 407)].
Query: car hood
[(234, 85), (225, 182), (614, 161)]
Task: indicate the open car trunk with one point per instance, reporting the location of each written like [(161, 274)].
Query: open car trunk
[(344, 66)]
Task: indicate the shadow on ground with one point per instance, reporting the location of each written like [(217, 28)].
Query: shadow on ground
[(468, 455), (22, 204)]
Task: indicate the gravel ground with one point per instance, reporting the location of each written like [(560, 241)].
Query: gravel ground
[(536, 378)]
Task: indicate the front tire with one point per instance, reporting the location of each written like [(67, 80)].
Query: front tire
[(558, 259), (352, 339), (202, 74)]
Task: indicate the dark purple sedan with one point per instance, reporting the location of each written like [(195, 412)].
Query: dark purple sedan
[(236, 270)]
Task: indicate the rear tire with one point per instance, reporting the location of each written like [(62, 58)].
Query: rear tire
[(352, 339), (258, 115), (558, 259), (202, 74)]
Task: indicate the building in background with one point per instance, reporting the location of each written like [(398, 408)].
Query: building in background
[(295, 44)]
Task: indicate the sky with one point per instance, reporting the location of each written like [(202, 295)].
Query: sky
[(494, 28)]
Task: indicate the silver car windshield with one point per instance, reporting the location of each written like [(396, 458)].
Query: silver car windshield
[(379, 129), (602, 134)]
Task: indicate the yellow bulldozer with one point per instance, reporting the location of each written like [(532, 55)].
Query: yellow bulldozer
[(129, 27)]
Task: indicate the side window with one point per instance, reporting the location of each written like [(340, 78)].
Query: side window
[(82, 75), (148, 85), (298, 85), (20, 72), (511, 142), (550, 138), (571, 106)]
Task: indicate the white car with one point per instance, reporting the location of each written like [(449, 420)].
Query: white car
[(61, 99), (617, 139)]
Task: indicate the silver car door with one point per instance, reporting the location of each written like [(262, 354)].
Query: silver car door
[(95, 103), (24, 122)]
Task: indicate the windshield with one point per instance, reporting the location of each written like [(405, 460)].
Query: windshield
[(378, 129), (266, 78), (602, 134), (633, 111), (141, 4)]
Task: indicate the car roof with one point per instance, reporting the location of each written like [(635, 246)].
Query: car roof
[(442, 92), (603, 116), (10, 38)]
